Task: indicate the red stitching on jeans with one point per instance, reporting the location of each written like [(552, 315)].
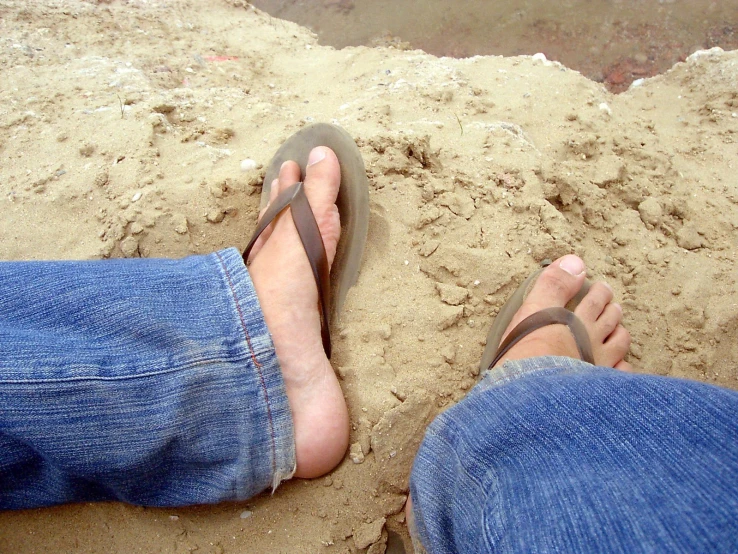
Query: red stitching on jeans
[(256, 363)]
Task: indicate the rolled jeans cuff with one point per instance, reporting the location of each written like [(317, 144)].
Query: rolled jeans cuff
[(512, 370), (150, 381), (262, 360)]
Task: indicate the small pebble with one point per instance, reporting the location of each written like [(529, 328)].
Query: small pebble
[(174, 518), (136, 197), (180, 224), (129, 246), (87, 149), (246, 514), (356, 453), (215, 216), (248, 165)]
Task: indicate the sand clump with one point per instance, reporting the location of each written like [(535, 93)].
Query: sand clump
[(123, 128)]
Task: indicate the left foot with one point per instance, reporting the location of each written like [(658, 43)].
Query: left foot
[(288, 296)]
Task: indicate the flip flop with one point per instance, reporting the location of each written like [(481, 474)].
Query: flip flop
[(494, 351), (353, 207)]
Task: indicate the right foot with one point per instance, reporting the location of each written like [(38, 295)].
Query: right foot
[(602, 318)]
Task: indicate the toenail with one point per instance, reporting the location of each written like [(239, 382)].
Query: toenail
[(572, 265), (316, 155)]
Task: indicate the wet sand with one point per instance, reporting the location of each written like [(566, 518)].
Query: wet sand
[(615, 42)]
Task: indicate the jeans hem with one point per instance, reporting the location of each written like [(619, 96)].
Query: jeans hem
[(260, 351), (516, 369)]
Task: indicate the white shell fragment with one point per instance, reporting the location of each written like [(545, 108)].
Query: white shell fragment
[(248, 164)]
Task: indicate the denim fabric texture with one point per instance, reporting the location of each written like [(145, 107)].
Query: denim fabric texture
[(149, 381), (552, 454)]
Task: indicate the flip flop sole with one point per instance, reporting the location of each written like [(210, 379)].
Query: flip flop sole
[(352, 202)]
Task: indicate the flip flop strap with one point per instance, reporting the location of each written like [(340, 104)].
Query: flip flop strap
[(549, 316), (295, 198)]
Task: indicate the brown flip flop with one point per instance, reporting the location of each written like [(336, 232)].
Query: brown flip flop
[(494, 351), (353, 207)]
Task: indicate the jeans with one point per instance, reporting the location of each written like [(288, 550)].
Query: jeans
[(148, 381), (552, 454), (155, 382)]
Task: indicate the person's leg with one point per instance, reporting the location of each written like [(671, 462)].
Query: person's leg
[(548, 453), (168, 382)]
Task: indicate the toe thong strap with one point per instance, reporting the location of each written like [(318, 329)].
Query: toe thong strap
[(549, 316), (295, 198)]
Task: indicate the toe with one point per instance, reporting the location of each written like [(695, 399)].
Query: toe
[(619, 340), (615, 347), (594, 303), (607, 322), (289, 174), (322, 180), (622, 365), (273, 192), (558, 283)]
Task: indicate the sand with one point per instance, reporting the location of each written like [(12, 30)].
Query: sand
[(123, 127)]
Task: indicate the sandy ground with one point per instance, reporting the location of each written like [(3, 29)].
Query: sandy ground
[(123, 126)]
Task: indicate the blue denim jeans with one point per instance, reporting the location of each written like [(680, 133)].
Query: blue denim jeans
[(149, 381), (155, 382), (555, 455)]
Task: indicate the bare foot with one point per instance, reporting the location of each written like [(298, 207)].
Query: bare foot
[(289, 300), (602, 318)]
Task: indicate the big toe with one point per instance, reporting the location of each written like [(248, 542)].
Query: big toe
[(557, 284), (322, 181)]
